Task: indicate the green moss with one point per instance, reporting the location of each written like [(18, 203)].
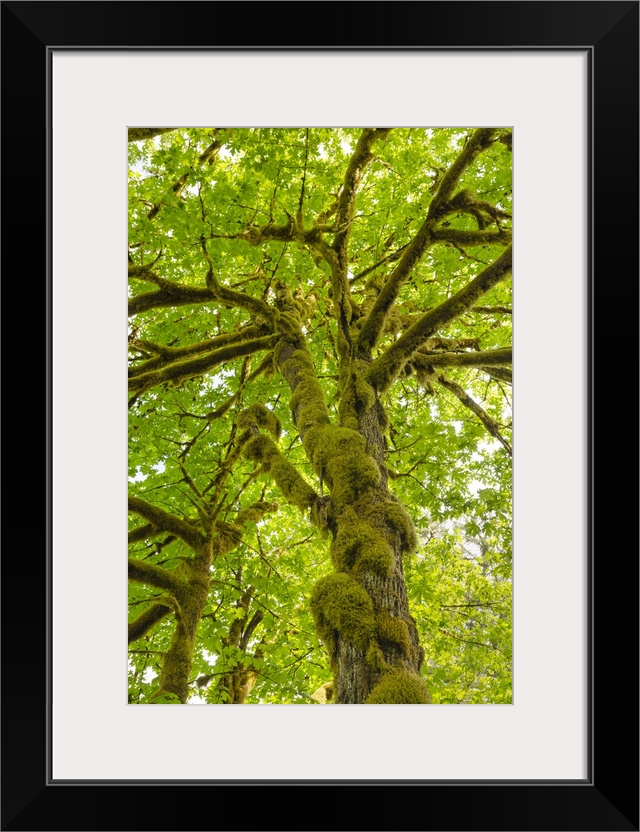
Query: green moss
[(381, 373), (375, 657), (399, 687), (393, 321), (378, 558), (338, 602), (255, 512), (398, 518), (394, 630), (260, 449), (294, 487), (358, 544), (227, 538), (338, 456), (351, 475), (304, 358), (293, 338), (333, 442), (308, 407), (356, 395), (260, 416)]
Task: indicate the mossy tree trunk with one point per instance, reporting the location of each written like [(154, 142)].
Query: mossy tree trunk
[(361, 611), (187, 590)]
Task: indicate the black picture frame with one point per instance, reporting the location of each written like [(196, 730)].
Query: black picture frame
[(608, 798)]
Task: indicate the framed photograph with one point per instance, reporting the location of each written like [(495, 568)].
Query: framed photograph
[(556, 84)]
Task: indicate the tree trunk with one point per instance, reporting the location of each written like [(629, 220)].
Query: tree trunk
[(361, 611), (174, 676)]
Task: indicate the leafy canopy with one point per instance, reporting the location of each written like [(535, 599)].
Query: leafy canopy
[(222, 224)]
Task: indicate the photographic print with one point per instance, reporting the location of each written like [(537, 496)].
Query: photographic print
[(319, 413)]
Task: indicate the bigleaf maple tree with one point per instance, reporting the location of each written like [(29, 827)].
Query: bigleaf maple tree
[(320, 415)]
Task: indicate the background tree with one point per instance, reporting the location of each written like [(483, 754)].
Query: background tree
[(320, 435)]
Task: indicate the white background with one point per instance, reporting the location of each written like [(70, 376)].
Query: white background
[(95, 96)]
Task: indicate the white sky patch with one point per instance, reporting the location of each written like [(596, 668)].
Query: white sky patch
[(139, 477), (218, 379), (346, 146), (139, 167), (230, 155), (149, 675)]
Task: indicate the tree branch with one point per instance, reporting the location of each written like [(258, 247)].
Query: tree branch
[(137, 134), (143, 532), (166, 522), (359, 160), (170, 295), (209, 155), (499, 373), (231, 296), (427, 234), (490, 424), (462, 237), (151, 575), (487, 358), (165, 355), (146, 620), (390, 258), (470, 641), (385, 368), (478, 141), (182, 370), (374, 323)]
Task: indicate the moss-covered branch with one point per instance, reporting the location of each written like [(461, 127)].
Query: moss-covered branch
[(166, 522), (231, 297), (165, 355), (499, 373), (461, 237), (385, 368), (374, 324), (183, 370), (137, 134), (486, 358), (263, 450), (152, 575), (427, 234), (146, 620), (143, 533), (359, 160), (490, 424), (308, 406), (493, 310), (478, 141), (146, 273), (169, 295), (390, 258)]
